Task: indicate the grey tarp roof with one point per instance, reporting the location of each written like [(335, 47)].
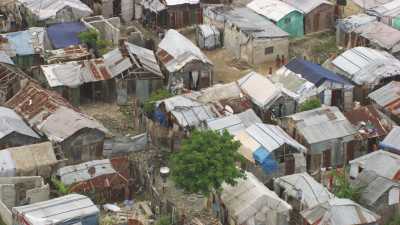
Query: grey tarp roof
[(57, 210), (65, 122), (323, 124), (181, 49), (259, 88), (11, 122), (339, 211), (249, 197), (372, 186), (313, 193)]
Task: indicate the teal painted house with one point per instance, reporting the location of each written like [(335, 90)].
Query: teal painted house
[(283, 15)]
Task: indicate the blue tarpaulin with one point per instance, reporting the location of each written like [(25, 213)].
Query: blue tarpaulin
[(314, 73), (63, 35), (265, 159), (161, 117)]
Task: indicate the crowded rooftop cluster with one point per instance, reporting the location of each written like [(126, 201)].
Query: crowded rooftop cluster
[(200, 112)]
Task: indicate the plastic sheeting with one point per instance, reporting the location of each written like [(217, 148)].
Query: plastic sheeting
[(208, 37), (265, 159), (7, 164)]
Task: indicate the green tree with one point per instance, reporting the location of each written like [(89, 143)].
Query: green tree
[(310, 104), (343, 189), (61, 188), (205, 161), (158, 95), (92, 38), (395, 220)]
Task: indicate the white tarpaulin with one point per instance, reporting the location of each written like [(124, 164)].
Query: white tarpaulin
[(7, 164), (394, 196)]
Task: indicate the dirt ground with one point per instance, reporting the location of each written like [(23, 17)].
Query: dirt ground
[(115, 118)]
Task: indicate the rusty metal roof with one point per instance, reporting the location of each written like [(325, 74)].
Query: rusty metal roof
[(72, 53), (45, 111), (376, 123), (388, 97)]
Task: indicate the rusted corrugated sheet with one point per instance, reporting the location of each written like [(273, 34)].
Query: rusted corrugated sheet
[(33, 100), (376, 125)]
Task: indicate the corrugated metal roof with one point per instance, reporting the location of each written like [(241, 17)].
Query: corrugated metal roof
[(367, 66), (388, 97), (72, 53), (12, 122), (392, 140), (193, 116), (234, 123), (372, 186), (352, 22), (253, 24), (367, 4), (306, 6), (323, 124), (46, 9), (38, 106), (76, 73), (274, 10), (27, 42), (250, 197), (58, 210), (272, 137), (82, 172), (339, 212), (175, 51), (383, 163), (373, 31), (144, 58), (261, 90), (390, 9), (313, 193)]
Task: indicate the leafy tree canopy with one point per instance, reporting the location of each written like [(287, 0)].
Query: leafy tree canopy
[(343, 189), (205, 161), (92, 38), (310, 104)]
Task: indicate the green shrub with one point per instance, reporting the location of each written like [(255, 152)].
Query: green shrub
[(310, 104)]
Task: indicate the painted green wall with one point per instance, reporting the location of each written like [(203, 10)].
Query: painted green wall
[(293, 23), (396, 23)]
